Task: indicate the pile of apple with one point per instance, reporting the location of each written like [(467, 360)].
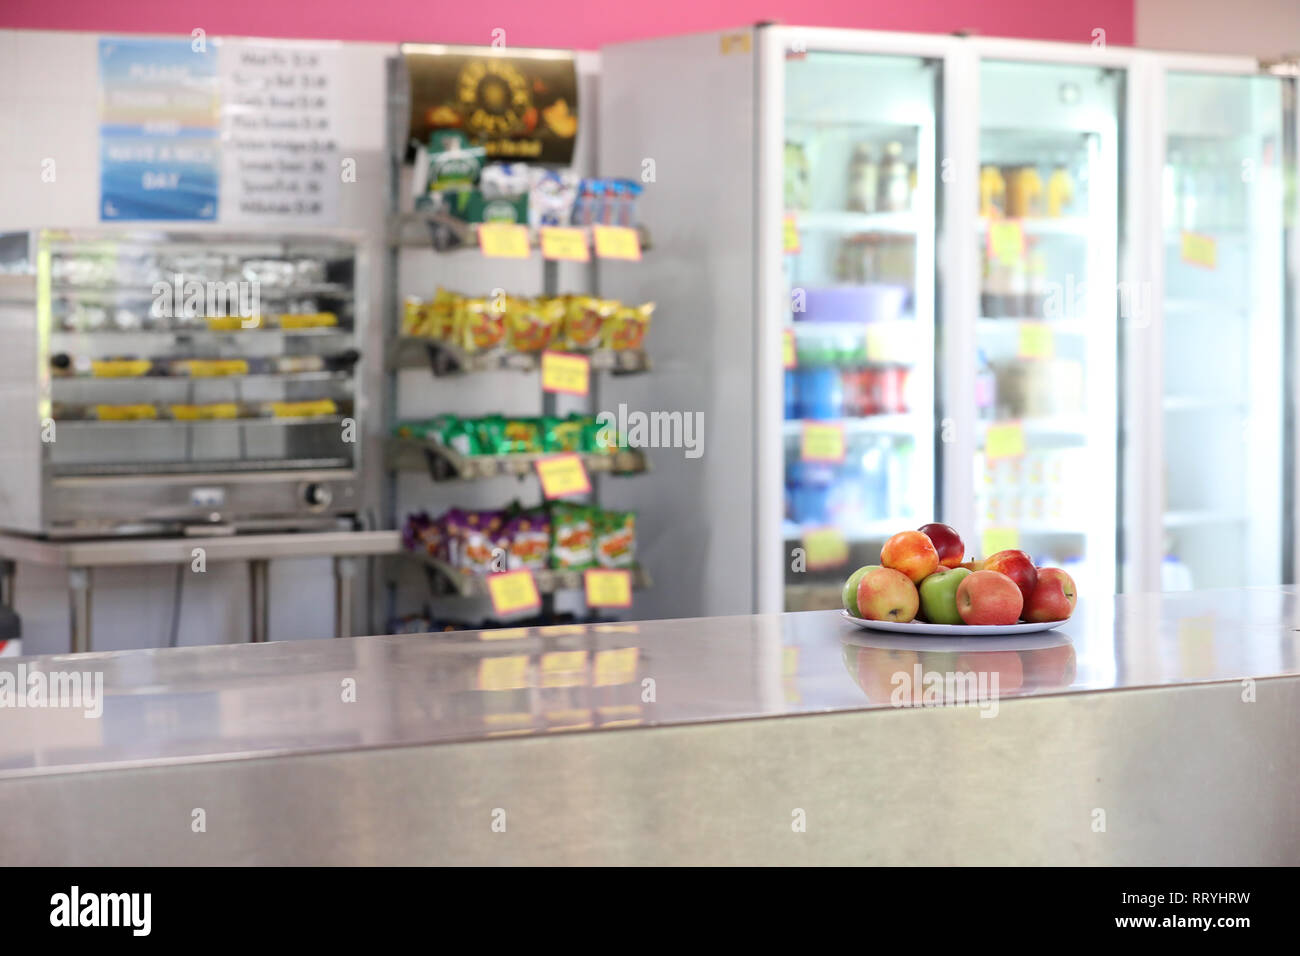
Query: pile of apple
[(922, 576)]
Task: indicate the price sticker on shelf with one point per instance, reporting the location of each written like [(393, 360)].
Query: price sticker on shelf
[(1036, 340), (1005, 440), (790, 235), (825, 548), (563, 475), (822, 442), (504, 240), (616, 242), (994, 540), (565, 244), (503, 673), (1006, 241), (513, 591), (788, 359), (565, 373), (607, 587), (616, 666), (1199, 250)]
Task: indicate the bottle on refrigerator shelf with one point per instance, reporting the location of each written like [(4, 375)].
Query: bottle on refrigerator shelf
[(863, 179), (821, 394), (1036, 301), (791, 394), (894, 191), (993, 193), (1024, 193), (985, 387), (1060, 190)]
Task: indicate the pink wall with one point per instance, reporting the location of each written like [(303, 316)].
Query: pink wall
[(584, 24)]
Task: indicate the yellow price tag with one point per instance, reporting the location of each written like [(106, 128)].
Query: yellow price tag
[(606, 587), (617, 242), (615, 666), (563, 475), (825, 548), (214, 368), (503, 673), (564, 669), (204, 412), (564, 244), (513, 591), (120, 368), (790, 234), (824, 443), (1006, 440), (504, 240), (788, 359), (1036, 340), (999, 539), (1199, 250), (312, 408), (1006, 240), (125, 413), (565, 373), (308, 320)]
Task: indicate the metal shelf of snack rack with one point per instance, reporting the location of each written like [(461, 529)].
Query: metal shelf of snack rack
[(449, 581), (443, 358), (447, 464), (440, 233)]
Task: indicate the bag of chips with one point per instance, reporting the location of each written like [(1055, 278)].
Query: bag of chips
[(571, 536), (530, 541), (562, 434), (626, 327), (615, 533), (481, 326), (584, 316), (533, 324)]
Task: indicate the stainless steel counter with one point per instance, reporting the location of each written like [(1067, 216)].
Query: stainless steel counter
[(1151, 729)]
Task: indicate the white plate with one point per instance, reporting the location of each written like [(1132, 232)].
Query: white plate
[(920, 628), (879, 640)]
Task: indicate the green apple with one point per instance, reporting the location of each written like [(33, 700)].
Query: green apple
[(850, 595), (939, 595)]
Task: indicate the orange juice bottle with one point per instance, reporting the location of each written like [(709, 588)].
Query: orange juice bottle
[(993, 193)]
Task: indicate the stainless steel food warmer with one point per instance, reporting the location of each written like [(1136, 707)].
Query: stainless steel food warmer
[(155, 382)]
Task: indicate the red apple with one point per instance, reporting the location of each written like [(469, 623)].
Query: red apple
[(912, 553), (990, 598), (1006, 664), (946, 541), (887, 595), (1053, 597), (1016, 565)]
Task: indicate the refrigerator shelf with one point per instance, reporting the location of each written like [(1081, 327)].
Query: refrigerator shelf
[(1193, 403), (1191, 519), (848, 221), (446, 464), (901, 424), (119, 291), (444, 580), (1010, 327), (1057, 430), (874, 531), (445, 359), (1077, 226)]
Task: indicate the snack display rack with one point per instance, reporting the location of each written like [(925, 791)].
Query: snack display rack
[(419, 233)]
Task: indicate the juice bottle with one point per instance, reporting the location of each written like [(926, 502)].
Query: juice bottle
[(993, 193), (1060, 190)]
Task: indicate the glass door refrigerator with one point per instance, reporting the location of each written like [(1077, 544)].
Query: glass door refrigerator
[(856, 315), (1043, 400), (1223, 498)]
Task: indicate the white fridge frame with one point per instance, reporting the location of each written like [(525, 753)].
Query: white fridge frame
[(958, 271)]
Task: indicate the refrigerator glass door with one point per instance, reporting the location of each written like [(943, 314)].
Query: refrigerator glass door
[(858, 334), (1224, 368), (1046, 363)]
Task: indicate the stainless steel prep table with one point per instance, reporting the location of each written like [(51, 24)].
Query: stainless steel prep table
[(1151, 729), (81, 557)]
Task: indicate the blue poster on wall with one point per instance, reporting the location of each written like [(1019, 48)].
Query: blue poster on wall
[(160, 129)]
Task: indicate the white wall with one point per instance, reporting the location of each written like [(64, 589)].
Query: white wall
[(49, 108), (1259, 28)]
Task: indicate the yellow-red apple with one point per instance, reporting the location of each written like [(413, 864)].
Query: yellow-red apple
[(989, 598), (912, 553), (947, 542), (1016, 565), (887, 595), (1053, 597)]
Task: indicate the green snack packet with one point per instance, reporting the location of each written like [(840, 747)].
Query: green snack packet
[(522, 436), (459, 436), (600, 439), (615, 539), (491, 433), (571, 536), (562, 434)]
